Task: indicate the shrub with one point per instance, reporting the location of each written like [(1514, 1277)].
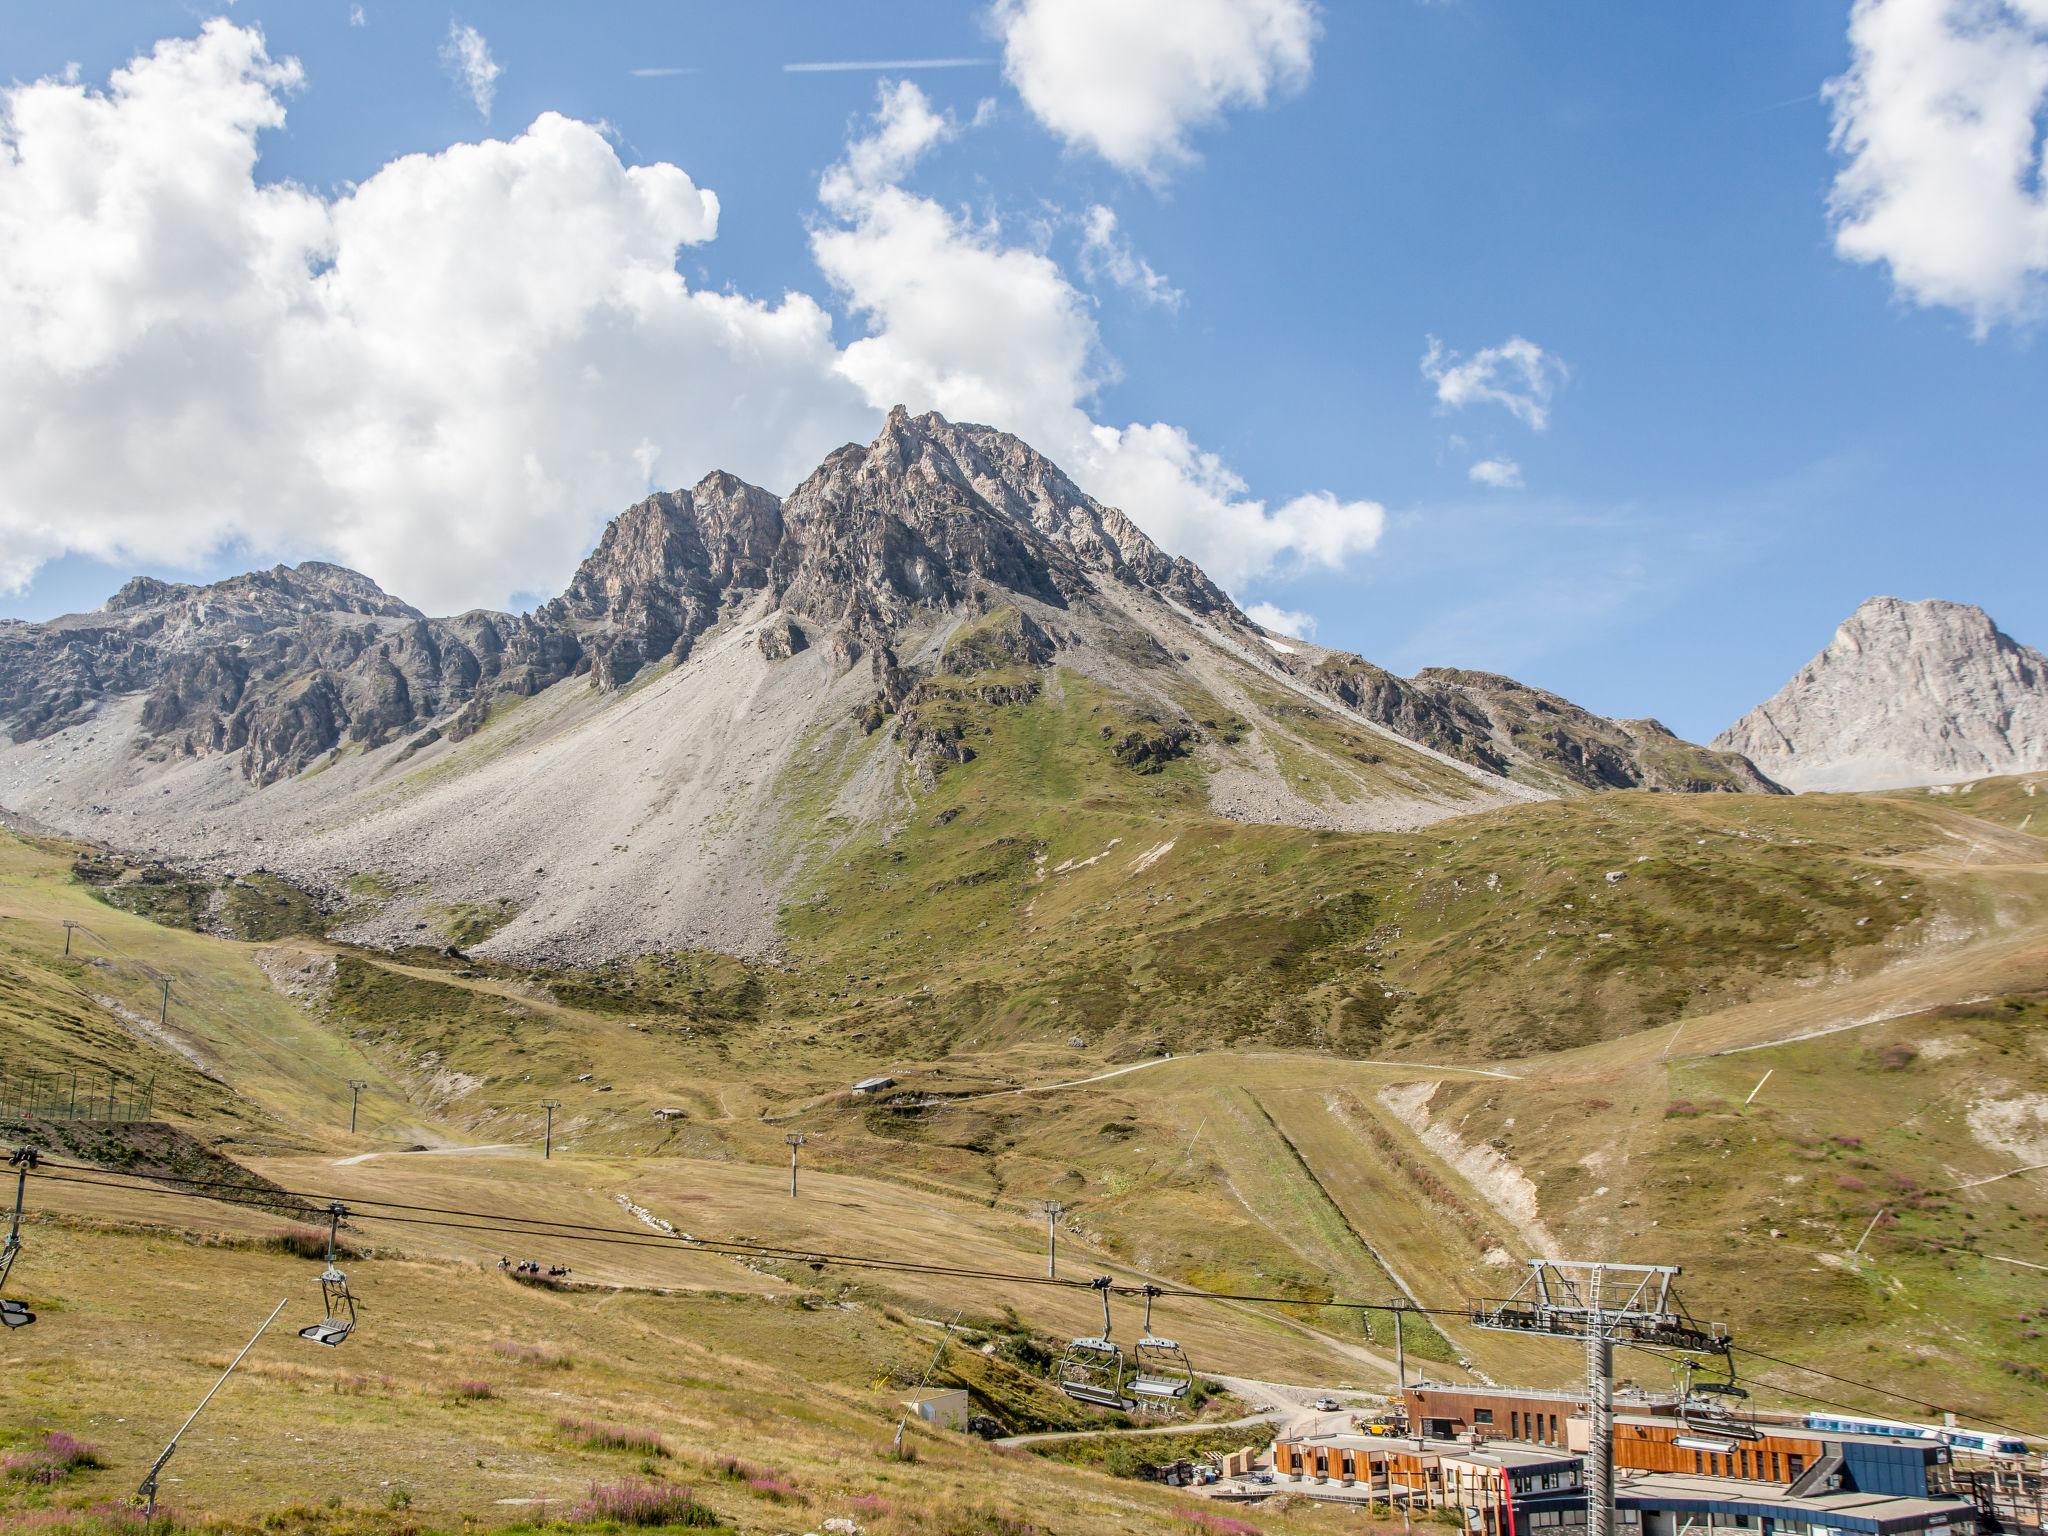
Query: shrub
[(1219, 1525), (1680, 1109), (779, 1490), (107, 1518), (612, 1437), (543, 1355), (641, 1503), (1850, 1142), (305, 1242), (1897, 1057), (56, 1458), (1850, 1182), (473, 1391)]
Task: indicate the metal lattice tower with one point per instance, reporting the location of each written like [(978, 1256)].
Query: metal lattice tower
[(1605, 1305)]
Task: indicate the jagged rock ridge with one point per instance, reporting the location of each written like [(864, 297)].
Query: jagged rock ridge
[(606, 774), (1905, 694), (1530, 734)]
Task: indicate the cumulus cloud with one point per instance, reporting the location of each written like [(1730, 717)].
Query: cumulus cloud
[(467, 58), (1283, 621), (448, 376), (962, 322), (1131, 80), (356, 18), (1940, 125), (1498, 474), (1105, 253), (1517, 375)]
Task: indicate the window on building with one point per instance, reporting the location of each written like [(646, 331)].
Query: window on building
[(1744, 1456), (1777, 1475), (1482, 1416), (1514, 1424), (1553, 1431), (1697, 1465), (1794, 1465)]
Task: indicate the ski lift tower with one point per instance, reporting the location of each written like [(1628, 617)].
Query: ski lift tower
[(1604, 1305)]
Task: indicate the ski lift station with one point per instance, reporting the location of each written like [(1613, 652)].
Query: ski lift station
[(1512, 1459)]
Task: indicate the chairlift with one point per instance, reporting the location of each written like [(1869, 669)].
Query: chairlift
[(1092, 1370), (1704, 1412), (340, 1305), (1160, 1372), (12, 1313)]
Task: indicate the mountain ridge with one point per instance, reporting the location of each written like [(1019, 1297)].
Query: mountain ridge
[(885, 617)]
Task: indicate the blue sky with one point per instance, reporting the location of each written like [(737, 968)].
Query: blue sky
[(1753, 415)]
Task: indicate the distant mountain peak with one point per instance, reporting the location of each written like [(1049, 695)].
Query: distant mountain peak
[(1906, 693)]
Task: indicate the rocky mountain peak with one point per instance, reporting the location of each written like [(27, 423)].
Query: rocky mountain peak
[(1906, 693)]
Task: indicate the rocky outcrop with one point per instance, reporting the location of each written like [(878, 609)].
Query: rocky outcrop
[(1529, 734), (934, 522), (1906, 693)]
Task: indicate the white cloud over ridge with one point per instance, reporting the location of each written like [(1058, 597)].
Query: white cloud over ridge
[(1940, 124), (441, 377), (452, 373), (467, 58), (1130, 80), (1497, 474), (1283, 621), (963, 323), (1517, 375)]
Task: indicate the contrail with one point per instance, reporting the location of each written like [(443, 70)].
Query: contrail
[(835, 66)]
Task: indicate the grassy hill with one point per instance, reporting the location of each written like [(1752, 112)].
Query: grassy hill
[(1399, 1063)]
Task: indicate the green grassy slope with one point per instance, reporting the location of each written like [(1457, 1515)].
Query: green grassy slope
[(1400, 1060)]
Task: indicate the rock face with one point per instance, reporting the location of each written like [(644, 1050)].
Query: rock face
[(640, 763), (1905, 694), (1532, 735)]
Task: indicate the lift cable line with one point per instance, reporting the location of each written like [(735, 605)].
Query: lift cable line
[(505, 1225)]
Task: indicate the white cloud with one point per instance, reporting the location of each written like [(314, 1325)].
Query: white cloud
[(1105, 253), (356, 18), (963, 323), (1283, 621), (199, 360), (1940, 122), (1131, 79), (195, 360), (1517, 375), (1499, 474), (467, 58)]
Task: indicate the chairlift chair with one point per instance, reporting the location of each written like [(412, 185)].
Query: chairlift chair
[(1160, 1372), (1702, 1407), (12, 1313), (1092, 1371), (339, 1303)]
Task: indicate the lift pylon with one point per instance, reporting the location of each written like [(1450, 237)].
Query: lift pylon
[(1602, 1305)]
